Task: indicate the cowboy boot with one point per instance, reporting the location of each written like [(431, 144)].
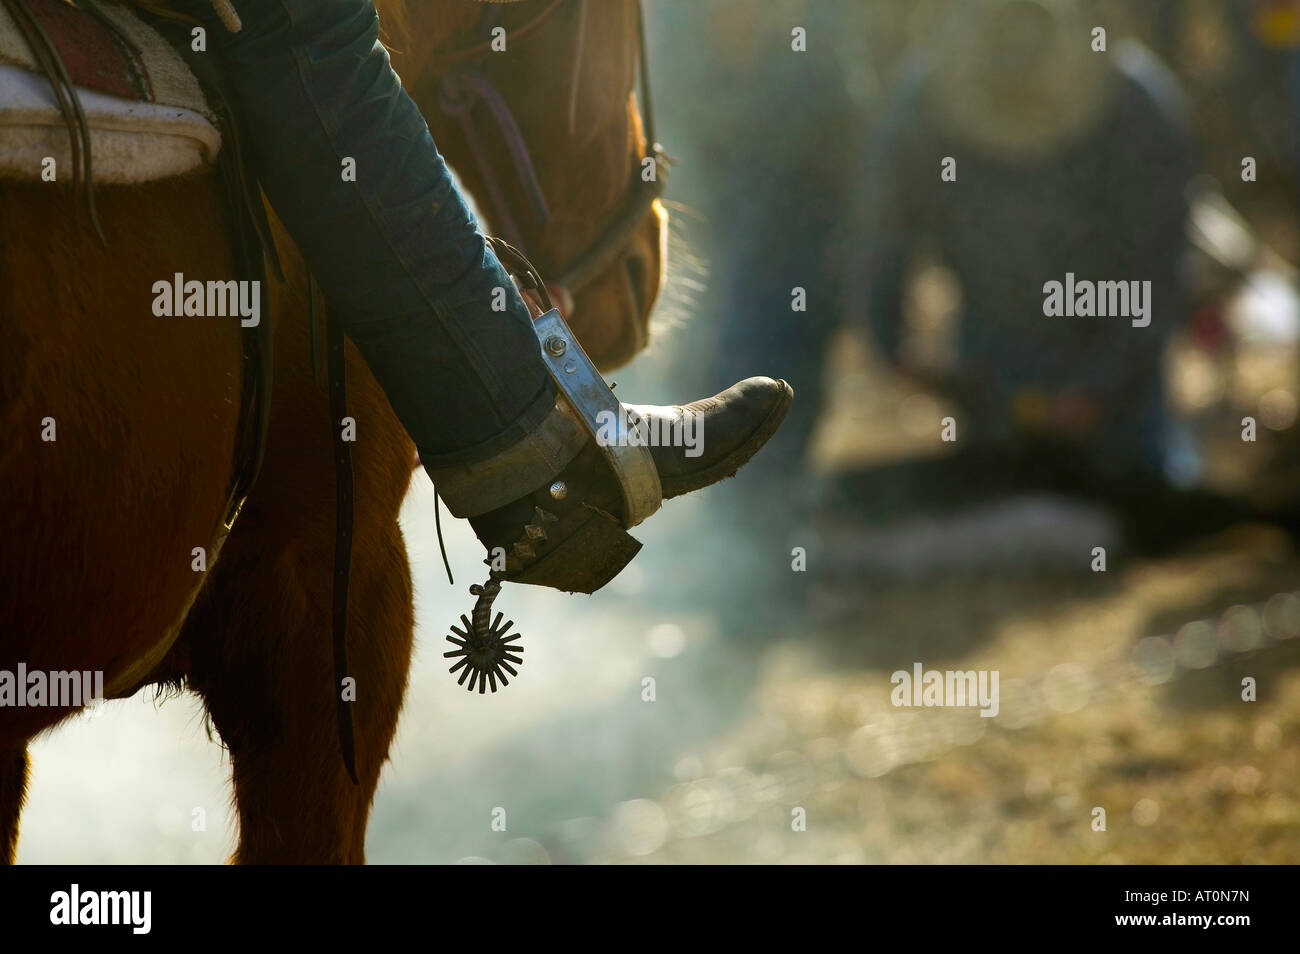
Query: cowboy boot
[(569, 532), (595, 467)]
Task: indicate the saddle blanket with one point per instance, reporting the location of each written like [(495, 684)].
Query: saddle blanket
[(147, 115)]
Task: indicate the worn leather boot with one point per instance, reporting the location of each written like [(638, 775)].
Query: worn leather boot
[(568, 533), (593, 467)]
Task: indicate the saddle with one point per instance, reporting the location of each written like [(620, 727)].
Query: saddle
[(145, 114)]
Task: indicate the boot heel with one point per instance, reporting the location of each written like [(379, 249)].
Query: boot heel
[(586, 559)]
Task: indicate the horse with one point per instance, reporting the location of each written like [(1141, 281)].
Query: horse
[(120, 431)]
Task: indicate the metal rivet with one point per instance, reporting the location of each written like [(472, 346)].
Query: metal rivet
[(556, 345), (559, 490)]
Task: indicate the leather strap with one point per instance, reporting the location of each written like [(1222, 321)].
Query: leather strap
[(336, 366), (51, 64), (463, 85), (255, 257)]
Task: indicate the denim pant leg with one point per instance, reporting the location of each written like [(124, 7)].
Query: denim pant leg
[(397, 251)]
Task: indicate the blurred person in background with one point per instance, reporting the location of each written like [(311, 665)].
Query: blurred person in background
[(1239, 61), (1067, 161), (762, 104), (767, 128), (1275, 31)]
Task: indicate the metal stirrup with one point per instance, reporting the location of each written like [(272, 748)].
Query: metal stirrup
[(585, 389), (582, 386)]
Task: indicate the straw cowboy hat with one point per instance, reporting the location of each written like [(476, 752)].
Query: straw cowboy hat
[(1018, 78)]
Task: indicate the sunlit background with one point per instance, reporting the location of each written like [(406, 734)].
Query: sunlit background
[(1120, 690)]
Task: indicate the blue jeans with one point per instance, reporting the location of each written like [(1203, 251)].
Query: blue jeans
[(397, 252)]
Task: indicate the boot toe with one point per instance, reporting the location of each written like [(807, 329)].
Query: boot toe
[(735, 425)]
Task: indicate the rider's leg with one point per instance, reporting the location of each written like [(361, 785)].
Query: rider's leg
[(397, 252), (405, 269)]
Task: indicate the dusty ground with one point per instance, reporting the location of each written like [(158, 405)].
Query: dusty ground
[(1185, 770)]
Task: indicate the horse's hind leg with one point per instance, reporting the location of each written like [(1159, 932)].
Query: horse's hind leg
[(267, 684), (13, 789), (257, 644)]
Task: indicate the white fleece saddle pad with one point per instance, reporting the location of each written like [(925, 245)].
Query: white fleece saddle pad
[(132, 140)]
